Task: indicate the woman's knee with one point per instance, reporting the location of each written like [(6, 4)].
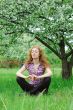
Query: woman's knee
[(48, 79), (18, 79)]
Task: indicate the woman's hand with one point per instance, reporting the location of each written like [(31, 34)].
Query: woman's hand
[(33, 77)]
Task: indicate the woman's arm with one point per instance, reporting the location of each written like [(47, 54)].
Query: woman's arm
[(20, 72), (47, 74)]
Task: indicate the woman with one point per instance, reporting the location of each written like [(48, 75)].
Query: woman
[(39, 73)]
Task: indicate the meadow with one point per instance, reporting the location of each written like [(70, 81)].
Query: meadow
[(59, 97)]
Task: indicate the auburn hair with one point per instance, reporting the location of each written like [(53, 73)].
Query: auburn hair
[(42, 58)]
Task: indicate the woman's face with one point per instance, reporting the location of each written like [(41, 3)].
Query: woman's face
[(35, 53)]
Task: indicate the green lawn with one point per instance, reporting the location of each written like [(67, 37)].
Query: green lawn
[(60, 95)]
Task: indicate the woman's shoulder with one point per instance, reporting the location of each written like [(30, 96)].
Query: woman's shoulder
[(27, 65)]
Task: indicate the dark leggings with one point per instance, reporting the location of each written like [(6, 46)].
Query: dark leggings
[(29, 88)]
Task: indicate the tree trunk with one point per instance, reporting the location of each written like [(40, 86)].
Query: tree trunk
[(66, 69), (66, 65)]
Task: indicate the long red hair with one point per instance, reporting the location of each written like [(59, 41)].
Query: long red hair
[(42, 58)]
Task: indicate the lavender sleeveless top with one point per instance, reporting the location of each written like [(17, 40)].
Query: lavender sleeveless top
[(40, 71)]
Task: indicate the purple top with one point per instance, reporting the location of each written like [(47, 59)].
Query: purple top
[(40, 71)]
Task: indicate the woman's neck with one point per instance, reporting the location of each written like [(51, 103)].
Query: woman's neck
[(36, 61)]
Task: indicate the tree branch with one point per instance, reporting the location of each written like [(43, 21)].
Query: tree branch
[(69, 53), (24, 12), (9, 19), (69, 45), (14, 32), (48, 46), (43, 17), (51, 42)]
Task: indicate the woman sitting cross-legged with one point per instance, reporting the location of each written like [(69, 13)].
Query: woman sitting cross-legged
[(39, 73)]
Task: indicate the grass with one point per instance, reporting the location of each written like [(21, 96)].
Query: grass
[(60, 94)]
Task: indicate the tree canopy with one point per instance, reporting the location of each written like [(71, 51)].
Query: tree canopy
[(49, 20)]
